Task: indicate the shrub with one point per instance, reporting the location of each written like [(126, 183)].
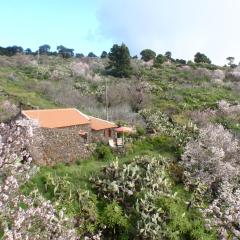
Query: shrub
[(159, 123), (201, 58), (160, 59), (147, 55), (183, 223), (176, 172), (223, 212), (143, 189), (114, 219), (135, 186), (140, 131), (103, 153)]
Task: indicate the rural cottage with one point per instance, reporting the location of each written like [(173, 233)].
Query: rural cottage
[(64, 134)]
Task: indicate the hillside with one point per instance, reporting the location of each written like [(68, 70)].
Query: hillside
[(172, 88), (171, 179)]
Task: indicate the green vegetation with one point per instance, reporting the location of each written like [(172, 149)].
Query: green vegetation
[(201, 58), (69, 186), (119, 57), (183, 223), (160, 59), (147, 55), (103, 153), (162, 100)]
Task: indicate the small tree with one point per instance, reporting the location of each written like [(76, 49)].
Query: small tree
[(65, 52), (28, 51), (10, 51), (92, 55), (160, 59), (114, 219), (119, 61), (44, 49), (168, 55), (79, 55), (181, 61), (147, 55), (104, 54), (212, 158), (230, 61), (201, 58)]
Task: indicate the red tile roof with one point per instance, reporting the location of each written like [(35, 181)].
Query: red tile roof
[(100, 124), (57, 118)]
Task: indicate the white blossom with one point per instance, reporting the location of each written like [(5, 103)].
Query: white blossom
[(38, 219)]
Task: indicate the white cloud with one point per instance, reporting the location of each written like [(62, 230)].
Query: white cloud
[(181, 26)]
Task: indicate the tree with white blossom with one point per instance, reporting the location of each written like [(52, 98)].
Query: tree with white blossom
[(224, 212), (25, 217), (212, 169), (212, 158)]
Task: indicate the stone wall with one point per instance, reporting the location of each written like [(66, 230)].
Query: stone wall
[(57, 145)]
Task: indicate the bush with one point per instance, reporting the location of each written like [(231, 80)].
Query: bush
[(176, 172), (160, 59), (103, 152), (201, 58), (183, 223), (147, 55), (115, 220), (140, 131)]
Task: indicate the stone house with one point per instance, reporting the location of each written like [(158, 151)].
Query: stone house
[(65, 135)]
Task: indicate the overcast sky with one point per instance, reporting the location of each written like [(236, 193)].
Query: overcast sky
[(183, 27)]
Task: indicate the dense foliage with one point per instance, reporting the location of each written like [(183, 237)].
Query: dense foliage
[(201, 58), (119, 61), (147, 55)]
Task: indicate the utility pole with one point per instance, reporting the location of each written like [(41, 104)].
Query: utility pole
[(37, 62), (106, 98)]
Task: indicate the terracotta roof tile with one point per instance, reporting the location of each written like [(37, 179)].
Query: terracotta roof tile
[(57, 118), (100, 124)]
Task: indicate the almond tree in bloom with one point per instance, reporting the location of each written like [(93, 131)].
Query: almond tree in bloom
[(213, 157), (224, 212), (213, 160), (25, 217)]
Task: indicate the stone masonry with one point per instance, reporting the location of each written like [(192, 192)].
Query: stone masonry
[(57, 145)]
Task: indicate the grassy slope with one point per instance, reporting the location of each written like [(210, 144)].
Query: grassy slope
[(174, 90), (17, 91), (182, 222), (185, 94), (179, 97)]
